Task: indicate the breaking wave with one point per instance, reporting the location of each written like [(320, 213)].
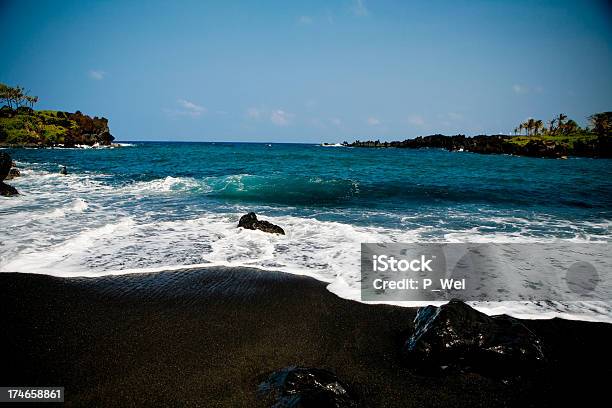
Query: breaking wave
[(97, 223)]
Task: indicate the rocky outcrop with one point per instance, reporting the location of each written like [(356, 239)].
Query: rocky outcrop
[(590, 146), (13, 172), (6, 190), (27, 127), (306, 387), (250, 221), (5, 165), (89, 130), (457, 336), (5, 168)]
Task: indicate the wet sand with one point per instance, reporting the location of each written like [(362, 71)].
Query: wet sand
[(207, 338)]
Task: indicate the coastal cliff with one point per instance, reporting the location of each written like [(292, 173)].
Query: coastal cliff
[(26, 127)]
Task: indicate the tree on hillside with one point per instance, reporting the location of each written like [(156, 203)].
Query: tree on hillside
[(551, 126), (14, 97), (518, 129), (570, 127), (529, 126), (602, 123), (560, 122), (538, 126)]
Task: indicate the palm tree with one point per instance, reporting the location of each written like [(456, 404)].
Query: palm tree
[(530, 126), (571, 127), (538, 125), (602, 123), (551, 126), (560, 122)]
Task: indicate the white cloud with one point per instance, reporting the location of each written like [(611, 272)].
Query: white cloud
[(191, 107), (372, 121), (98, 75), (278, 117), (359, 8), (187, 108), (520, 89), (416, 120), (281, 118), (455, 116), (305, 20)]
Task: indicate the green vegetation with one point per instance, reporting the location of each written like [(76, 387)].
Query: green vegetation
[(562, 131), (21, 125), (34, 127), (563, 140), (560, 139), (17, 96), (601, 124)]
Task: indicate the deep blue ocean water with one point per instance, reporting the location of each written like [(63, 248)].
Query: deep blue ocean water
[(159, 205)]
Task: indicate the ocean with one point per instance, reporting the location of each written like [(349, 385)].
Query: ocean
[(150, 206)]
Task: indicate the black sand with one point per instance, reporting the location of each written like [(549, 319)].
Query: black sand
[(207, 337)]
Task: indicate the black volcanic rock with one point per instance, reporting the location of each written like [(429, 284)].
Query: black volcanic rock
[(501, 144), (6, 190), (457, 336), (13, 172), (5, 168), (5, 165), (250, 221), (306, 387)]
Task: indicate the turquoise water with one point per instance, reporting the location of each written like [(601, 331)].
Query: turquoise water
[(449, 191), (165, 205)]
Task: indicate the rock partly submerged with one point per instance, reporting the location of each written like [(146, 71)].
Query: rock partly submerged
[(457, 336), (5, 168), (306, 387), (7, 191), (250, 221), (5, 164), (13, 172)]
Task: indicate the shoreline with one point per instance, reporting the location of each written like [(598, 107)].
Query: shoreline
[(588, 145), (211, 335), (502, 307)]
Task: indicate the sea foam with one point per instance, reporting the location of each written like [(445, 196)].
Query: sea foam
[(88, 224)]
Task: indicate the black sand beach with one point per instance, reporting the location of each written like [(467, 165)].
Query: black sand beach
[(208, 337)]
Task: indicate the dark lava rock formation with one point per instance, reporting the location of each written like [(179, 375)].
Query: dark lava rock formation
[(250, 221), (459, 337), (294, 387), (5, 168), (600, 146), (5, 165), (13, 172)]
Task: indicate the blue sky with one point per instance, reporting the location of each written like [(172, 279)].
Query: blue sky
[(310, 71)]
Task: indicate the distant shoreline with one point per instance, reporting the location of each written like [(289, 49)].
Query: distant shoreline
[(559, 147)]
